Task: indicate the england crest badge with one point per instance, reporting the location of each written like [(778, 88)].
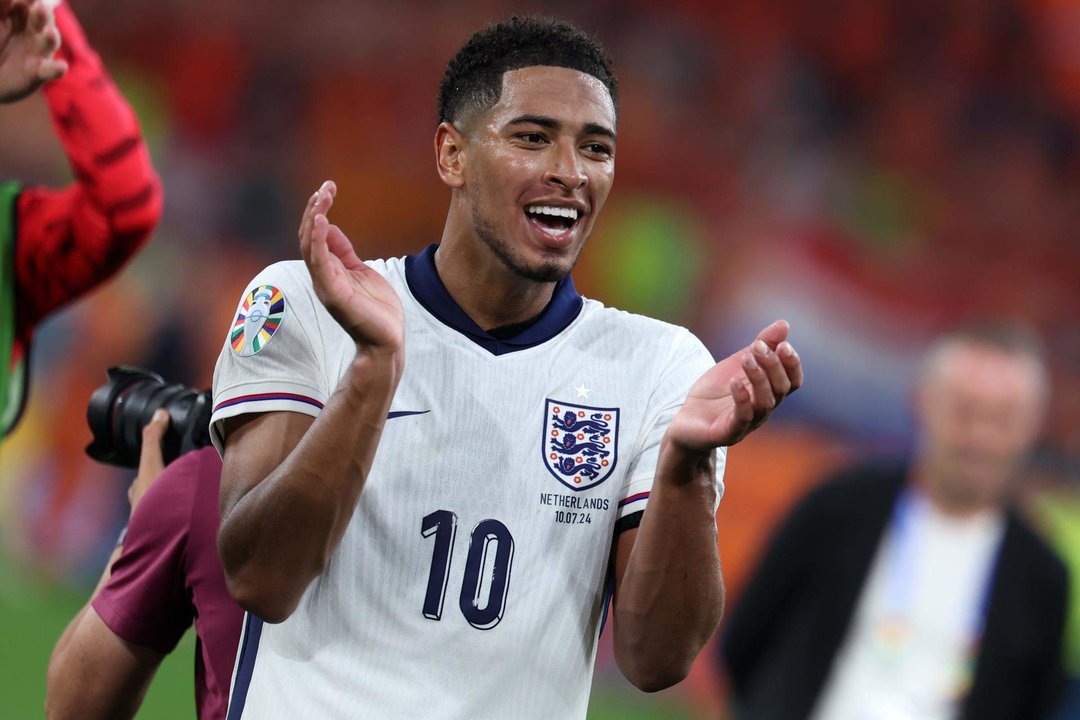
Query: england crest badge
[(258, 318), (580, 443)]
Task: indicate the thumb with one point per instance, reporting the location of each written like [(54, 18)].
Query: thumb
[(52, 69)]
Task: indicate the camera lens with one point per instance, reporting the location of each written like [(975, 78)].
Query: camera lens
[(120, 409)]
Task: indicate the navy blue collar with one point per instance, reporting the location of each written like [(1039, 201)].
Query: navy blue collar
[(428, 288)]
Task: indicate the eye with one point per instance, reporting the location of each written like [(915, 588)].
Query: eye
[(596, 148), (533, 138)]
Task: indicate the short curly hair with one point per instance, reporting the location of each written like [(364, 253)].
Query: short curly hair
[(473, 78)]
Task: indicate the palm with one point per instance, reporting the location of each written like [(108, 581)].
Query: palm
[(708, 418), (360, 299), (738, 394)]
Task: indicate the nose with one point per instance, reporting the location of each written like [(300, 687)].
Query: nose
[(566, 169)]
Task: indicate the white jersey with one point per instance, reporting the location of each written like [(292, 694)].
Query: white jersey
[(473, 576)]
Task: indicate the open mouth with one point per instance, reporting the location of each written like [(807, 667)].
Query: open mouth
[(554, 220)]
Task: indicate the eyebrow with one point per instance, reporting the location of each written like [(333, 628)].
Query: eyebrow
[(553, 124)]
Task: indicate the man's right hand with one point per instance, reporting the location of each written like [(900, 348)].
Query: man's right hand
[(360, 299), (26, 52)]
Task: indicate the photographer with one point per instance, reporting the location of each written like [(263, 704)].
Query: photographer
[(164, 574)]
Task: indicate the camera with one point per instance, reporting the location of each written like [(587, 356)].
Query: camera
[(122, 407)]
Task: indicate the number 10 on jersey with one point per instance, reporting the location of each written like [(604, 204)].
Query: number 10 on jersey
[(487, 569)]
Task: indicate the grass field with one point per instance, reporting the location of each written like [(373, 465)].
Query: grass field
[(33, 614)]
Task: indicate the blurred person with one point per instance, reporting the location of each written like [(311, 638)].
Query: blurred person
[(57, 244), (163, 576), (367, 411), (916, 591)]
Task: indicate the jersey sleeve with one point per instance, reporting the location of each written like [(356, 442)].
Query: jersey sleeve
[(74, 238), (689, 360), (146, 600), (273, 357)]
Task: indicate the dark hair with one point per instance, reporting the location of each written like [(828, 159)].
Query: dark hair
[(473, 79)]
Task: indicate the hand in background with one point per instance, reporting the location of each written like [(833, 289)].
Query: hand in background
[(28, 40), (151, 461)]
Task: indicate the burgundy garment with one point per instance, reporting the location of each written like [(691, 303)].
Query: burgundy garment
[(169, 574)]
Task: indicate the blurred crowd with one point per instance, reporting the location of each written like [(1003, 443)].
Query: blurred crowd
[(871, 171)]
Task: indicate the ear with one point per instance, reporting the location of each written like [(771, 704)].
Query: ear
[(450, 155)]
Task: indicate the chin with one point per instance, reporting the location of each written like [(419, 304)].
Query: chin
[(544, 268), (544, 272)]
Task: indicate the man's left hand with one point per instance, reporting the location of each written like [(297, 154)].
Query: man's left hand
[(26, 53), (151, 460), (739, 393)]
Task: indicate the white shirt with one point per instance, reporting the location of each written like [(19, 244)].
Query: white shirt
[(471, 580), (910, 650)]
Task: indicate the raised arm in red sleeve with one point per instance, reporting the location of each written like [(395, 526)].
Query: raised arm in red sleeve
[(72, 239)]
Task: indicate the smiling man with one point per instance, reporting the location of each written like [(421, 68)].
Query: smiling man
[(437, 468)]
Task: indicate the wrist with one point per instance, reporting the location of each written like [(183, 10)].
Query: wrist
[(374, 369), (682, 464)]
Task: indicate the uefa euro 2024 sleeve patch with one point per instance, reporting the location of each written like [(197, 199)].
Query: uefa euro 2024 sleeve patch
[(259, 317), (580, 443)]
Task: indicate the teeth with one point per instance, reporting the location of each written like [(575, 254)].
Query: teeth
[(565, 212)]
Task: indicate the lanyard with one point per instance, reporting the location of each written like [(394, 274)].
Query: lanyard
[(894, 631)]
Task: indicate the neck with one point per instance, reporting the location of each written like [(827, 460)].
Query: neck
[(481, 284), (957, 506)]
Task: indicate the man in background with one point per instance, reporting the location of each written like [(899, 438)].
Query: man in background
[(163, 576), (916, 591), (58, 244)]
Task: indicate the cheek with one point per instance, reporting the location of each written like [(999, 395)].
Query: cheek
[(601, 184)]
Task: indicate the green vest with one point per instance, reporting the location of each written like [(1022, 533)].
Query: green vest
[(12, 374)]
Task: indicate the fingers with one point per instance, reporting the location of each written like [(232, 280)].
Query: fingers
[(303, 233), (792, 365), (150, 457), (319, 203), (51, 69), (774, 334), (770, 362), (744, 404), (320, 263), (151, 462), (764, 399), (773, 373), (39, 17)]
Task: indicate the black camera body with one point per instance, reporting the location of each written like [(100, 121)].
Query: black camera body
[(120, 409)]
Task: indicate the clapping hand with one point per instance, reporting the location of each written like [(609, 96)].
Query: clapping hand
[(739, 393), (359, 298)]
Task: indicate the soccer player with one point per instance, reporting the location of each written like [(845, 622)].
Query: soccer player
[(56, 245), (437, 468)]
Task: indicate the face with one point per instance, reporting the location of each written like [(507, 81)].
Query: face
[(537, 168), (979, 409)]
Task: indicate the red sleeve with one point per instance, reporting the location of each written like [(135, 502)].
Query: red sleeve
[(147, 600), (72, 239)]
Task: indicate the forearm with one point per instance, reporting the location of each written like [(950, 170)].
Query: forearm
[(93, 673), (97, 675), (671, 595), (69, 631), (278, 536), (98, 129), (72, 239)]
